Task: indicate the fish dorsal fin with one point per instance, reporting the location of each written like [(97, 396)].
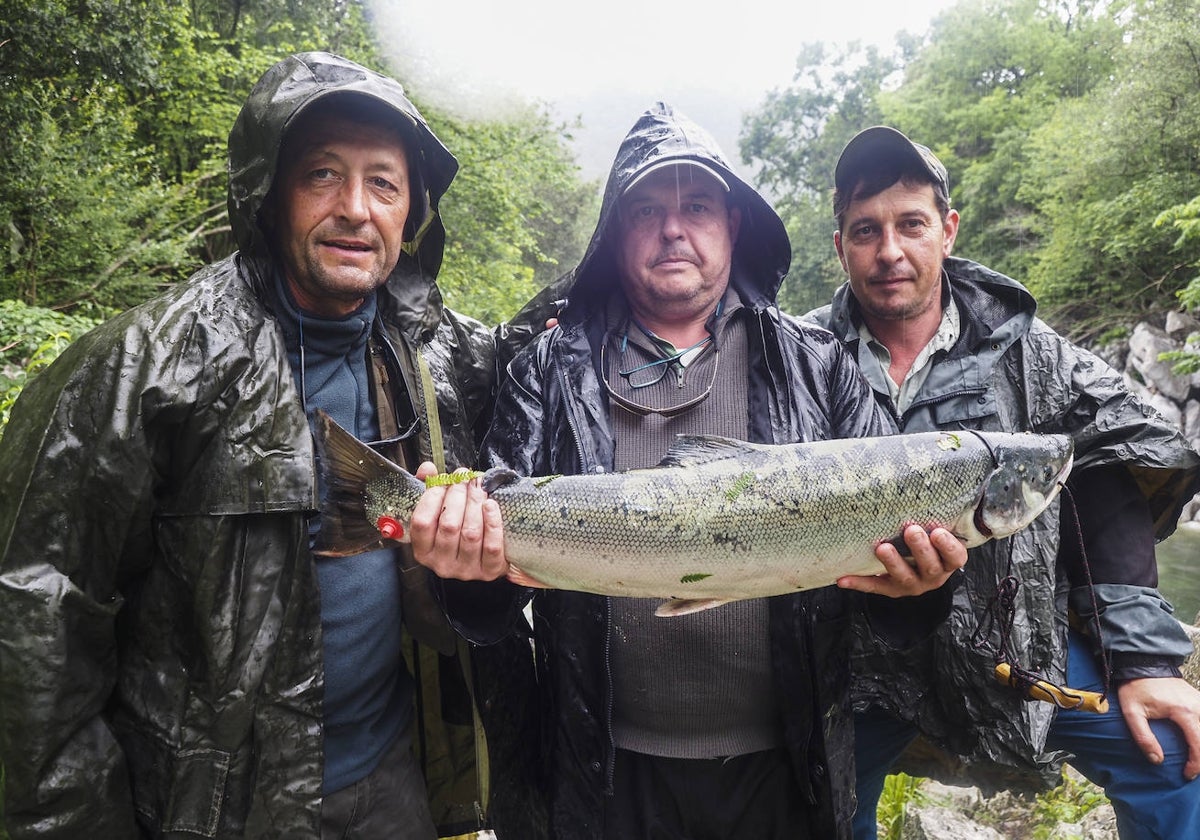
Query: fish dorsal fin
[(694, 450), (498, 477)]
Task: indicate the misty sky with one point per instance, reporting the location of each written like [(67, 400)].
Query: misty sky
[(606, 61)]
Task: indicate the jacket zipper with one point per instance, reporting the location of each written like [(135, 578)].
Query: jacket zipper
[(610, 760)]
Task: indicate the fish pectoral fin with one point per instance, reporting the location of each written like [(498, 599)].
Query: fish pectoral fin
[(521, 579), (686, 606)]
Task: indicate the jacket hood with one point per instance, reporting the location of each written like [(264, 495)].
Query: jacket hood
[(276, 100), (661, 136)]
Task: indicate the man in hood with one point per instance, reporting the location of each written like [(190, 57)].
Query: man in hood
[(175, 659), (949, 344), (727, 723)]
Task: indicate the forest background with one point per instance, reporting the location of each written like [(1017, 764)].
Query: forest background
[(1071, 129)]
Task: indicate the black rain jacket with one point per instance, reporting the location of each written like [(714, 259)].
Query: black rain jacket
[(160, 635)]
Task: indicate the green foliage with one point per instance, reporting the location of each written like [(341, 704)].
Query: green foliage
[(1185, 218), (1068, 128), (114, 186), (517, 214), (794, 141), (1104, 253), (30, 339), (115, 181), (990, 73), (815, 272), (900, 790), (86, 219), (1070, 802)]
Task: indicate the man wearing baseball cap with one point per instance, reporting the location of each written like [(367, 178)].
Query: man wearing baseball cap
[(949, 344)]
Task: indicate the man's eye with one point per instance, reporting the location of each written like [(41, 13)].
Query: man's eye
[(383, 184)]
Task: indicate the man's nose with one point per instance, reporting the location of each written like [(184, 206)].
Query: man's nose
[(672, 224), (889, 245), (353, 200)]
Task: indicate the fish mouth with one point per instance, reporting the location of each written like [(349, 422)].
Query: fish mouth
[(1013, 497), (1033, 501)]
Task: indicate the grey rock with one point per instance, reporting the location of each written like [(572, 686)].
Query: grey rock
[(1180, 325), (1145, 345), (937, 822), (1191, 421)]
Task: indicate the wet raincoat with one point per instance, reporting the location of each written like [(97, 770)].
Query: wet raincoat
[(160, 635), (553, 417), (1010, 372)]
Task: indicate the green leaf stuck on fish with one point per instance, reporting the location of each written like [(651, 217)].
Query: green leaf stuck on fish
[(456, 477), (949, 442), (744, 481)]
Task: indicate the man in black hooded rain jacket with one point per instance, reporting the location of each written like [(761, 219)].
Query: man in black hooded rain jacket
[(731, 722), (173, 659)]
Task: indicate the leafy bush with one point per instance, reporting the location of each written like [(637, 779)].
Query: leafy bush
[(30, 339)]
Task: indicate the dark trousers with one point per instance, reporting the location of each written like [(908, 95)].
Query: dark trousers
[(751, 797), (390, 803)]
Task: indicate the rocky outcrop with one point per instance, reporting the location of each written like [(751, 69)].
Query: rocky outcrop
[(949, 813), (1175, 396)]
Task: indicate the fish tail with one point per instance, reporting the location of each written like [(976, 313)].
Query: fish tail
[(349, 467)]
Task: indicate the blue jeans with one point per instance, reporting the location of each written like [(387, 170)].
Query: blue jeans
[(1151, 802)]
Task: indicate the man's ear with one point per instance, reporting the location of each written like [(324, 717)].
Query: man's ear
[(949, 232)]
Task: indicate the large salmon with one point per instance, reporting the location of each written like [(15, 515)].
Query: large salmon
[(721, 520)]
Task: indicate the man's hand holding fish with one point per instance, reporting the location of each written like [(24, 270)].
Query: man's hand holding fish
[(457, 531)]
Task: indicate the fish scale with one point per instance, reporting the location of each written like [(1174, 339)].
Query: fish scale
[(720, 519), (728, 535)]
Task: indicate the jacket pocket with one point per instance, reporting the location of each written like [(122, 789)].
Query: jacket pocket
[(197, 791), (176, 789)]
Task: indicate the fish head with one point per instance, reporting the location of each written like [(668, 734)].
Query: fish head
[(1029, 472)]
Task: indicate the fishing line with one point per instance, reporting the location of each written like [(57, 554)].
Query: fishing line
[(1000, 616), (1087, 573)]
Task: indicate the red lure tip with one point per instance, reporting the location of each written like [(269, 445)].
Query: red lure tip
[(389, 528)]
